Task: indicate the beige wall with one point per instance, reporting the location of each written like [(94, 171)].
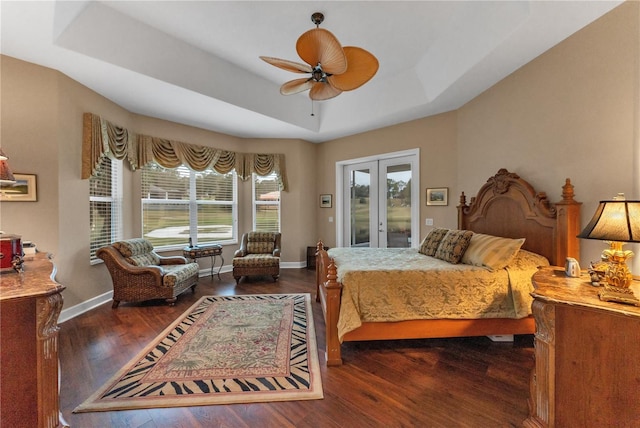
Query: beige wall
[(42, 133), (30, 134), (299, 202), (572, 112), (435, 136), (41, 115)]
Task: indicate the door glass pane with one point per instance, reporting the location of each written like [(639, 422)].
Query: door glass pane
[(398, 206), (359, 189)]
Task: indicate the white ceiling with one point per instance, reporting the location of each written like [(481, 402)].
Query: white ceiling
[(196, 62)]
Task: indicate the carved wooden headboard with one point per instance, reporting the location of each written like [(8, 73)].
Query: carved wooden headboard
[(508, 206)]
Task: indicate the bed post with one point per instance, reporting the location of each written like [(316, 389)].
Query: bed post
[(333, 290), (567, 226), (461, 208), (328, 292), (320, 273)]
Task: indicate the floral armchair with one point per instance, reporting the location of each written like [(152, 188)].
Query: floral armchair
[(139, 274), (259, 254)]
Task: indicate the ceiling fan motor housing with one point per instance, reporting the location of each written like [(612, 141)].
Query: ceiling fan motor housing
[(318, 74), (317, 18)]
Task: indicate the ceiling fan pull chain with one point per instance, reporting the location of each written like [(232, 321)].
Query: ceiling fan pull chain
[(312, 108)]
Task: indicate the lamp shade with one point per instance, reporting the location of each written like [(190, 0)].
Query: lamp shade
[(617, 220), (6, 176)]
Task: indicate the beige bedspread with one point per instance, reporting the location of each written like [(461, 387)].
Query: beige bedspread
[(396, 284)]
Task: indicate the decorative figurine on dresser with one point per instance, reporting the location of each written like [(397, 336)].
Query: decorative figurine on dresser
[(30, 303)]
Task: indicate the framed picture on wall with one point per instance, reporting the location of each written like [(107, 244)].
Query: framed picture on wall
[(438, 196), (23, 190), (325, 201)]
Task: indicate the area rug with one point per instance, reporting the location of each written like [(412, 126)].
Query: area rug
[(222, 350)]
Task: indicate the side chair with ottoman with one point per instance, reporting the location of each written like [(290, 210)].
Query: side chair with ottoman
[(138, 273), (259, 254)]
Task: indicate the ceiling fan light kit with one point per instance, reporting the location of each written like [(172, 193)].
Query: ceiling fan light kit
[(332, 68)]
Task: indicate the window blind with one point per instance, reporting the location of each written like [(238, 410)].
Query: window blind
[(266, 203), (216, 206), (180, 204), (105, 206)]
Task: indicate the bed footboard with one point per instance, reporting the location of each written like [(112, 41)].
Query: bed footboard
[(328, 292)]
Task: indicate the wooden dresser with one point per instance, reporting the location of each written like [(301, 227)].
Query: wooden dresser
[(587, 370), (30, 303)]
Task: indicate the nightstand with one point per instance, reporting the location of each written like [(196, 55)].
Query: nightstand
[(311, 256), (587, 370)]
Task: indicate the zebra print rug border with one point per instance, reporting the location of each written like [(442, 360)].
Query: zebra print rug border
[(222, 350)]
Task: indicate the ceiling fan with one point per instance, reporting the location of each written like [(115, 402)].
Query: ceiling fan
[(332, 67)]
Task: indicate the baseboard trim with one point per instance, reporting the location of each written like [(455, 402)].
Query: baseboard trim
[(293, 265), (94, 302), (85, 306)]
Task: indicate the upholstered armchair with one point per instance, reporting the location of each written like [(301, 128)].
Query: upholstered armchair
[(259, 254), (139, 274)]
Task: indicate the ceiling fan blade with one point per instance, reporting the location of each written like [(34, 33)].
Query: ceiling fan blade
[(296, 67), (295, 86), (323, 91), (321, 46), (362, 67)]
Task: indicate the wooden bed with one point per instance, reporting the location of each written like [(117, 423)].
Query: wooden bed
[(505, 206)]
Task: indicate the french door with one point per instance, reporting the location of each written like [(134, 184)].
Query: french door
[(379, 202)]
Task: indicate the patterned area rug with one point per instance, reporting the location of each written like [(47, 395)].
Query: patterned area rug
[(224, 349)]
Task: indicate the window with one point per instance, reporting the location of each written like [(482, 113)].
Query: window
[(266, 203), (105, 205), (179, 205)]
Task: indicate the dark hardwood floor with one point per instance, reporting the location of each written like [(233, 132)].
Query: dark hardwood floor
[(463, 382)]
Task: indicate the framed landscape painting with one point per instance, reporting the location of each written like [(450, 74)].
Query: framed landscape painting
[(438, 196), (23, 190)]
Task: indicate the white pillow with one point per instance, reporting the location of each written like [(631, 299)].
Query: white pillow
[(491, 251)]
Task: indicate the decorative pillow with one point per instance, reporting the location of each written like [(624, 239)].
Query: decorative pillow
[(453, 245), (430, 243), (491, 251), (147, 259), (137, 251)]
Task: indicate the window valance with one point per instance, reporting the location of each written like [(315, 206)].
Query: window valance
[(103, 138)]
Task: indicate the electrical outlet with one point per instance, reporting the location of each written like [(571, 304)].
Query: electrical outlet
[(428, 222)]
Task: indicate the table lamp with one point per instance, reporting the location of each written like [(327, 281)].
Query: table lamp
[(616, 221), (6, 176)]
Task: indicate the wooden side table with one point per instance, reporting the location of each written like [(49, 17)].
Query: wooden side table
[(587, 368), (212, 251), (311, 257)]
